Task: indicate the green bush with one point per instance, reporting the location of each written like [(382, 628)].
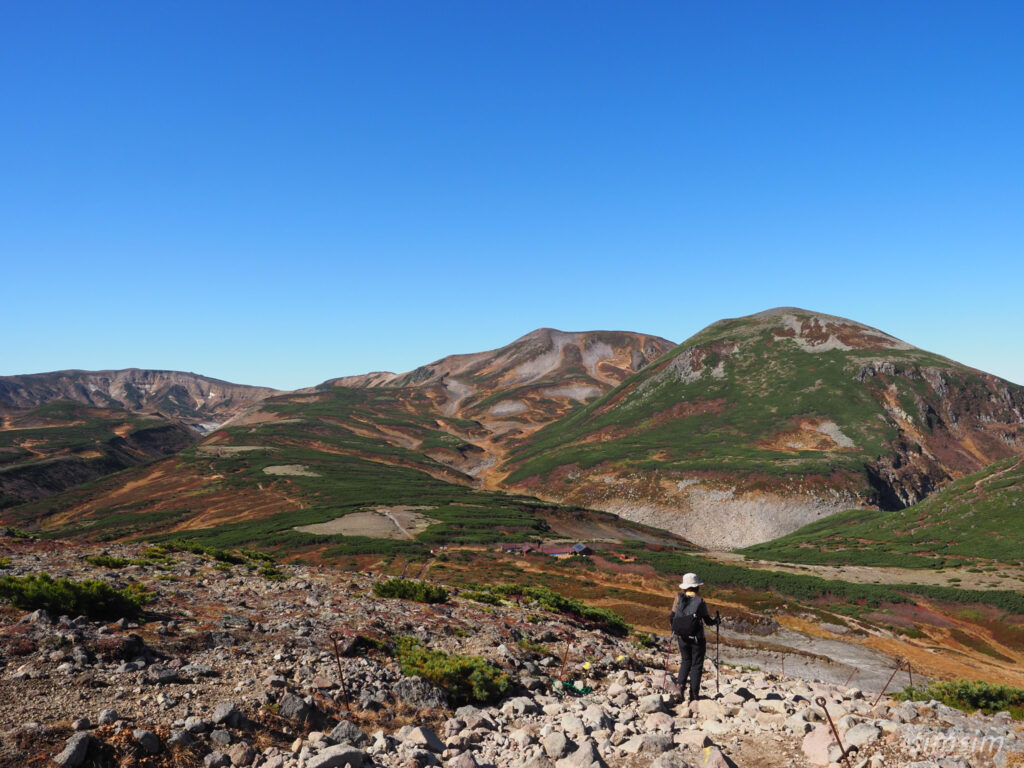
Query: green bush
[(482, 596), (550, 600), (89, 597), (464, 679), (5, 562), (408, 589), (970, 695), (107, 561)]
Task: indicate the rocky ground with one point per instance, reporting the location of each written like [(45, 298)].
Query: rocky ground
[(231, 668)]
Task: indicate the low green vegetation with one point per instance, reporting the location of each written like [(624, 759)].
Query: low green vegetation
[(464, 679), (976, 517), (108, 561), (89, 597), (549, 600), (811, 588), (409, 589), (5, 562), (970, 696)]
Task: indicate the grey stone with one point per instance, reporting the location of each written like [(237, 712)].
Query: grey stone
[(555, 745), (292, 707), (74, 751), (196, 670), (148, 740), (424, 737), (585, 757), (538, 762), (107, 717), (862, 734), (337, 757), (220, 737), (420, 693), (652, 703), (241, 754), (226, 712), (180, 739), (347, 732), (463, 760), (671, 760), (654, 743), (195, 724), (216, 759), (81, 724)]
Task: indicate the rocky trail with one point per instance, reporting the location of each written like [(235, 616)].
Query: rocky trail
[(228, 667)]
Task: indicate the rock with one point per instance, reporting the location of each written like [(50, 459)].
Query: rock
[(861, 735), (425, 737), (420, 693), (652, 703), (538, 762), (180, 739), (671, 760), (216, 759), (195, 724), (521, 705), (585, 757), (148, 740), (712, 757), (337, 757), (292, 707), (107, 717), (654, 743), (816, 743), (226, 712), (697, 739), (556, 745), (220, 737), (242, 754), (81, 724), (708, 708), (463, 760), (74, 750), (347, 732)]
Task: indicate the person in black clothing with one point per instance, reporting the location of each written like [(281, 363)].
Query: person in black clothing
[(693, 646)]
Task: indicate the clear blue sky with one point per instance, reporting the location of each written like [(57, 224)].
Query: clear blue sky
[(279, 193)]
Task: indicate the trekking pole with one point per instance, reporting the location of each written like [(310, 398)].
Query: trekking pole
[(668, 652), (718, 621)]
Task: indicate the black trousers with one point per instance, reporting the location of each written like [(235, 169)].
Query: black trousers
[(691, 663)]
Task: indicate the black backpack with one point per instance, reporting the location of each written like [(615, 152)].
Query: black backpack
[(685, 623)]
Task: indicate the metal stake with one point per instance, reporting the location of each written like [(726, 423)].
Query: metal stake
[(341, 677), (565, 658), (668, 652), (820, 701), (879, 698), (718, 621)]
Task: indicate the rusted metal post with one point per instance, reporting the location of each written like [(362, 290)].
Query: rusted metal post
[(882, 692), (565, 658), (820, 701), (852, 673), (783, 665), (910, 672), (341, 677), (668, 652)]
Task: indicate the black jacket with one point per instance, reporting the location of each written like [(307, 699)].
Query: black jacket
[(682, 600)]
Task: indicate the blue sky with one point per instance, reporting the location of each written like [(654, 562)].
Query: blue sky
[(277, 193)]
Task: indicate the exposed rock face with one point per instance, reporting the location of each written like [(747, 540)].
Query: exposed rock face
[(199, 401), (759, 425)]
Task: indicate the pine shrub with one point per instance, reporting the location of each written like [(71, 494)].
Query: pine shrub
[(464, 679), (408, 589), (89, 597)]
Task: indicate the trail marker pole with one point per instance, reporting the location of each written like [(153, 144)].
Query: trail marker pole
[(718, 621), (668, 652), (820, 701)]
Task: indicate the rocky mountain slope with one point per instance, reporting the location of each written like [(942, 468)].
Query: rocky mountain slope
[(494, 398), (62, 444), (980, 516), (758, 425), (198, 401), (235, 665)]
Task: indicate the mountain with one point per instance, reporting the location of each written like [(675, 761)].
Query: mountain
[(758, 425), (410, 440), (52, 447), (489, 400), (980, 516), (198, 401)]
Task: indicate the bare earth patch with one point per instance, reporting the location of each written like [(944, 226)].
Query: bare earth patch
[(400, 522), (292, 470)]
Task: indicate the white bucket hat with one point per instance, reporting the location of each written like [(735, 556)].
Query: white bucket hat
[(690, 581)]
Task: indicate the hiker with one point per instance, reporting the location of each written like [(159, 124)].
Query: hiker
[(689, 615)]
